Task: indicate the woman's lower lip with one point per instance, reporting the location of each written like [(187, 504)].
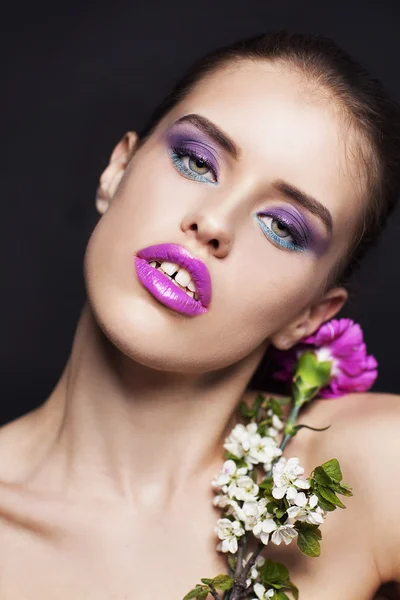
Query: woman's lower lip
[(165, 291)]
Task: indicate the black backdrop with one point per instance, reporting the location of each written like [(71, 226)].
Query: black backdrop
[(75, 78)]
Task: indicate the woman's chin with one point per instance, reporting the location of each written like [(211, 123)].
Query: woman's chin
[(149, 334)]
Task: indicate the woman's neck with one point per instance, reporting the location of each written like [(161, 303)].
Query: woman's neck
[(119, 428)]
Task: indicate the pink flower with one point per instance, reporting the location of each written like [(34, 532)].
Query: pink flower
[(339, 341)]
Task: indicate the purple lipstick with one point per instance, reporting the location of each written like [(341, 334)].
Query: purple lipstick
[(170, 262)]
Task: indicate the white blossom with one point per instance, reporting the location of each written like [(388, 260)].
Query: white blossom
[(252, 512), (238, 441), (277, 423), (280, 533), (229, 473), (246, 442), (231, 506), (277, 426), (287, 480), (264, 528), (243, 489), (264, 450), (262, 593), (228, 531), (308, 512), (285, 533)]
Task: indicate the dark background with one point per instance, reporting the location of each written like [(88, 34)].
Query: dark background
[(75, 78)]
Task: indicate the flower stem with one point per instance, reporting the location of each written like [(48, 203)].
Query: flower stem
[(239, 586), (214, 592), (290, 430), (242, 547)]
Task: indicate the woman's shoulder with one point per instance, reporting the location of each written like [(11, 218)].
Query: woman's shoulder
[(366, 416), (364, 435), (364, 428)]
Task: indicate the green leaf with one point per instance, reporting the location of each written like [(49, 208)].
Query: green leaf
[(324, 504), (332, 469), (232, 560), (222, 582), (205, 580), (279, 513), (321, 477), (345, 490), (273, 573), (307, 526), (308, 540), (267, 485), (258, 400), (284, 400), (276, 407), (199, 592), (294, 590), (279, 595), (330, 496), (245, 411), (308, 544)]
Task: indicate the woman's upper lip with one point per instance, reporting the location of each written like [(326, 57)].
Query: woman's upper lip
[(180, 255)]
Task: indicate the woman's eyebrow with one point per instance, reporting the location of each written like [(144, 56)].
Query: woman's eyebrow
[(311, 204), (212, 131), (285, 188)]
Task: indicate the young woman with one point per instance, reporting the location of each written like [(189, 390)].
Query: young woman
[(257, 186)]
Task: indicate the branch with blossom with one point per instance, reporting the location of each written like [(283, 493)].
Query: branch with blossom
[(264, 497)]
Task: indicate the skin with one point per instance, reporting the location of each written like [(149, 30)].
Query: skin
[(105, 488)]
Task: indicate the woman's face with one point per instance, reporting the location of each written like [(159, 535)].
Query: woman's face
[(250, 174)]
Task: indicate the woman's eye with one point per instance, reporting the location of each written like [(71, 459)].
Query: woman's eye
[(278, 228), (198, 165), (193, 167), (280, 233)]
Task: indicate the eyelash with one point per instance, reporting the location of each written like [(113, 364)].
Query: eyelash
[(297, 245), (176, 156)]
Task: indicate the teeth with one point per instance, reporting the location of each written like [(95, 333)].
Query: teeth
[(169, 268), (182, 277)]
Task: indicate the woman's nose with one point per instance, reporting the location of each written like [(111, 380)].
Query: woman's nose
[(210, 230)]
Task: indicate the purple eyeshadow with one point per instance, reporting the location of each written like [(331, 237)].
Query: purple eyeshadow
[(184, 137), (303, 232)]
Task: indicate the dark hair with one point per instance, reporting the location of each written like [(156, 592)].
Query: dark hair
[(362, 99)]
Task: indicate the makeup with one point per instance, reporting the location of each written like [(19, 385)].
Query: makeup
[(157, 268), (289, 228), (186, 140)]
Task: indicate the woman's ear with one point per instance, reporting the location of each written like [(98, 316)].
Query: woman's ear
[(114, 171), (310, 319)]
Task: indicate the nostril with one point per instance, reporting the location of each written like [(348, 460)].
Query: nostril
[(215, 244), (193, 227)]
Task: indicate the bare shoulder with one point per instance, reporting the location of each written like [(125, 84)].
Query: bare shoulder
[(365, 437), (366, 417), (364, 431)]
